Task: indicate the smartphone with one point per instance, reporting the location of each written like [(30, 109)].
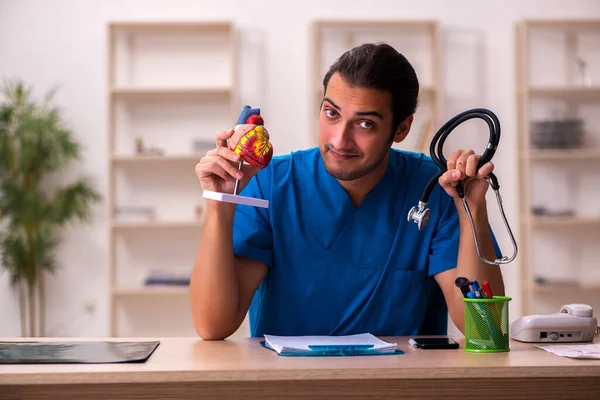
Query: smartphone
[(433, 343)]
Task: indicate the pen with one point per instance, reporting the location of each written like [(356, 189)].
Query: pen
[(486, 289), (477, 289), (488, 292)]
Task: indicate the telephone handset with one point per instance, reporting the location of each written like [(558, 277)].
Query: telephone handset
[(573, 323), (578, 310)]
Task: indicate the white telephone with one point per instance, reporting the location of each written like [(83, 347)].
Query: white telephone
[(573, 323)]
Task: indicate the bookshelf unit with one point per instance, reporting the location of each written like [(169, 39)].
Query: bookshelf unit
[(420, 41), (170, 87), (558, 99)]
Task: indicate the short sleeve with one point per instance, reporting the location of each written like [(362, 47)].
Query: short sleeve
[(252, 233), (443, 254)]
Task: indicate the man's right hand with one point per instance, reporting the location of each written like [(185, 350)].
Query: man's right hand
[(218, 169), (222, 285)]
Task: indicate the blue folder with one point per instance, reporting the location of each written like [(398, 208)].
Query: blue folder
[(334, 351)]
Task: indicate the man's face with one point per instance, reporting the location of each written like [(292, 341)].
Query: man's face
[(355, 128)]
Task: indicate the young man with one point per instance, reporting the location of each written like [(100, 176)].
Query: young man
[(334, 253)]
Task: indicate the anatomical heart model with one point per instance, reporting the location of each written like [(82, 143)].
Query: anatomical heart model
[(251, 141)]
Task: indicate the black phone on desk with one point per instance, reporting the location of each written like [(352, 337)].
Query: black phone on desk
[(433, 343)]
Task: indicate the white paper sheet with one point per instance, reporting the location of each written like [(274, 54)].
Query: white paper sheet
[(301, 344), (587, 351)]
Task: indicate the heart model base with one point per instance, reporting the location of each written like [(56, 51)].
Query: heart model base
[(235, 198)]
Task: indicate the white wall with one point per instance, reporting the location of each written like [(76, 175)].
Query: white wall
[(48, 42)]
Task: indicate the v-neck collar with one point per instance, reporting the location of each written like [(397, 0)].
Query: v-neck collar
[(334, 208), (332, 184)]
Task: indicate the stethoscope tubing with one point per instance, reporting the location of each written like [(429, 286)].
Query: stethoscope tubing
[(439, 139), (420, 214)]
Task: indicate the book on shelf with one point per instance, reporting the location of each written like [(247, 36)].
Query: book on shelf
[(159, 278)]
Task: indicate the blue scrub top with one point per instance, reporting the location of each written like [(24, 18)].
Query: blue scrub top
[(337, 269)]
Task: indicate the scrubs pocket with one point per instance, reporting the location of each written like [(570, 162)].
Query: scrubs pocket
[(411, 297)]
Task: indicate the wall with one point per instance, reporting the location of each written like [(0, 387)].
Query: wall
[(63, 42)]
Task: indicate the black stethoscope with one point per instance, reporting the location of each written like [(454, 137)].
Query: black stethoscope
[(420, 214)]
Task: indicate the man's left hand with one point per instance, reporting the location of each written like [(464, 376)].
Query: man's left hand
[(462, 167)]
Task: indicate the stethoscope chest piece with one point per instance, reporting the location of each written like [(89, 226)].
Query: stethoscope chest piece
[(419, 215)]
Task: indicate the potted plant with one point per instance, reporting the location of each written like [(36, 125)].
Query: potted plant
[(36, 146)]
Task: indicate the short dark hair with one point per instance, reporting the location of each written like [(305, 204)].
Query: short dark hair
[(380, 66)]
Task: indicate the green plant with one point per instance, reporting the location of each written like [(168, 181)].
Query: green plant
[(36, 146)]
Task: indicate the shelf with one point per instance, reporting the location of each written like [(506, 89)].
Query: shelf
[(562, 154), (551, 84), (180, 125), (579, 24), (564, 288), (148, 93), (157, 225), (571, 92), (171, 54), (129, 159), (169, 27), (428, 90), (377, 24), (123, 291), (170, 85), (549, 221)]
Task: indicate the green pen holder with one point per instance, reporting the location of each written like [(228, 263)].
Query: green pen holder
[(487, 325)]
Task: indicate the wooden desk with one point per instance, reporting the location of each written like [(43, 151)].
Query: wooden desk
[(196, 369)]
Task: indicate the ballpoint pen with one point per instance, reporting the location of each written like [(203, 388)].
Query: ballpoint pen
[(486, 289), (477, 289)]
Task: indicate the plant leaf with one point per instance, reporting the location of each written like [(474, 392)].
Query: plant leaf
[(35, 145)]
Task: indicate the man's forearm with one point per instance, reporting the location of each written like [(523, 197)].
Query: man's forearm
[(469, 263), (214, 287)]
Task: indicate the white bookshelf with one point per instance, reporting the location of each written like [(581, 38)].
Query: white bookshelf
[(172, 84), (558, 244), (418, 40), (166, 159)]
